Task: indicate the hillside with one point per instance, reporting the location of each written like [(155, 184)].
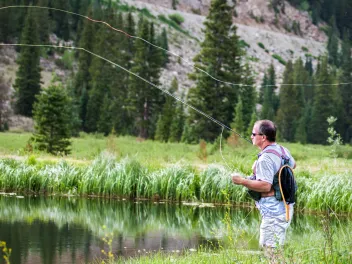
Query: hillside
[(274, 36), (268, 37)]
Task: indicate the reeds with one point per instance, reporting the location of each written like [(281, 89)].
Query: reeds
[(127, 178)]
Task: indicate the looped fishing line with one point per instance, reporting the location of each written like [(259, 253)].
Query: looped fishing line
[(152, 84), (169, 52)]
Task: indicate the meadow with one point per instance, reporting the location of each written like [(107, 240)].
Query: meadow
[(132, 168)]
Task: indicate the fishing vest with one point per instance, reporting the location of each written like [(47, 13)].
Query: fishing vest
[(284, 178)]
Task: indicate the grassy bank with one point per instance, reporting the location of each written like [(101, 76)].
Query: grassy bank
[(128, 178)]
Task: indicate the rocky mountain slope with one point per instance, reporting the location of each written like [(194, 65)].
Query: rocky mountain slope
[(288, 34)]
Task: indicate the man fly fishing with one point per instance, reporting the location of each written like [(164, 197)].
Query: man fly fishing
[(272, 185)]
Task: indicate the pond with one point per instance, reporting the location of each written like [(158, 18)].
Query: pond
[(70, 229)]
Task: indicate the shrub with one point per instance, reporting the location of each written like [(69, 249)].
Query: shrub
[(261, 45), (305, 49), (146, 13), (278, 57), (243, 44), (177, 18), (67, 59), (196, 11)]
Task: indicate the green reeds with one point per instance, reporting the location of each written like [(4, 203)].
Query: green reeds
[(127, 178)]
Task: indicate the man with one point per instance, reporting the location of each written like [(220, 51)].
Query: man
[(274, 224)]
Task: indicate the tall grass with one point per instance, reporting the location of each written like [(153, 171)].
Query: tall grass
[(128, 178)]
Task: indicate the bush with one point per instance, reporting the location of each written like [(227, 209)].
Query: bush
[(146, 13), (177, 18), (261, 45), (243, 44), (196, 11), (278, 57), (67, 59), (304, 6), (305, 49), (172, 23)]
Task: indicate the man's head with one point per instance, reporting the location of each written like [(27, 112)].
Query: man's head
[(263, 133)]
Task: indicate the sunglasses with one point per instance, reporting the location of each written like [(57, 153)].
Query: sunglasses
[(254, 134)]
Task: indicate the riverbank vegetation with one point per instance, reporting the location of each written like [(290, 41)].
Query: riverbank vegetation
[(128, 168)]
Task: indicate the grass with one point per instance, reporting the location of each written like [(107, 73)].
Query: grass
[(127, 167)]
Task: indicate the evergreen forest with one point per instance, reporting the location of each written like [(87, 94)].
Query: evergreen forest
[(103, 97)]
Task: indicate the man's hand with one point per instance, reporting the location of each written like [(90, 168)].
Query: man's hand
[(237, 179)]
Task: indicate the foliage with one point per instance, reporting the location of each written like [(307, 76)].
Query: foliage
[(220, 57), (165, 46), (179, 19), (279, 58), (4, 101), (165, 120), (174, 4), (27, 83), (6, 252), (52, 116), (334, 138), (67, 59), (291, 99), (324, 104), (270, 99), (261, 45), (173, 24), (145, 101)]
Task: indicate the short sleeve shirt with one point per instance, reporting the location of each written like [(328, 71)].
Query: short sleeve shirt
[(269, 164)]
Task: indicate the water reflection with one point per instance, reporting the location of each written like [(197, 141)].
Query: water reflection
[(69, 230)]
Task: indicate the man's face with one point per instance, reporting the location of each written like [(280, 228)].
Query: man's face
[(256, 138)]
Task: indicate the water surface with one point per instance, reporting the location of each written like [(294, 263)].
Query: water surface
[(70, 230)]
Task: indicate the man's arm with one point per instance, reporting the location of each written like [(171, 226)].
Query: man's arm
[(258, 186)]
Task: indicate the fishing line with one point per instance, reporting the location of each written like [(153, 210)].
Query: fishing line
[(136, 75), (170, 52), (152, 84)]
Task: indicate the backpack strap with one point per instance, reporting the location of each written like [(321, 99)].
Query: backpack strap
[(282, 156)]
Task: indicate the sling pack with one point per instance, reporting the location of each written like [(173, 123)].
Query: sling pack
[(284, 183)]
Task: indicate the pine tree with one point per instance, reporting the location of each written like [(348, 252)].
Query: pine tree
[(8, 21), (104, 124), (73, 109), (42, 18), (165, 119), (248, 95), (272, 84), (291, 101), (4, 99), (270, 99), (323, 105), (333, 44), (220, 56), (262, 89), (104, 76), (309, 66), (238, 123), (164, 44), (144, 100), (83, 76), (301, 134), (61, 19), (346, 90), (52, 121), (254, 119), (178, 123), (27, 83)]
